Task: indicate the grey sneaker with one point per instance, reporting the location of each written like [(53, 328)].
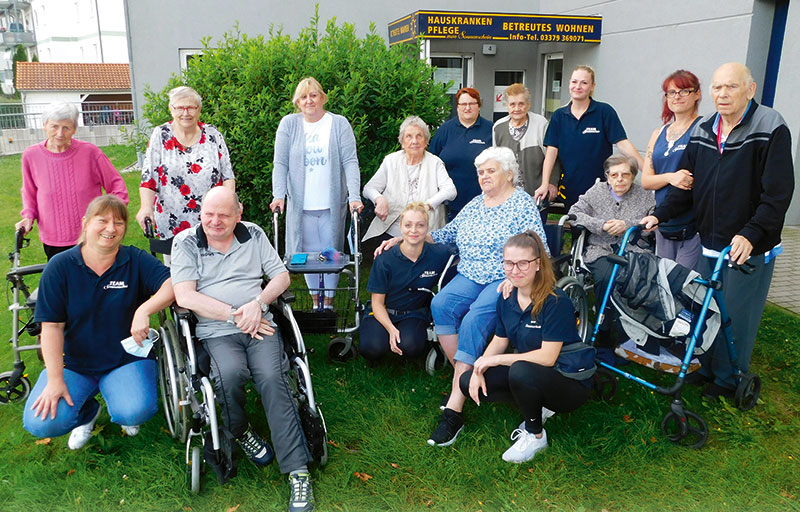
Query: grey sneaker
[(302, 499), (256, 449)]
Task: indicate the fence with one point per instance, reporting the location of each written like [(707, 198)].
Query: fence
[(99, 122)]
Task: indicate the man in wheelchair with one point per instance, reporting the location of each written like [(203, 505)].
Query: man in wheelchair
[(217, 272)]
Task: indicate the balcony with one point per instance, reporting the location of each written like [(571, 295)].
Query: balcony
[(19, 4), (11, 39)]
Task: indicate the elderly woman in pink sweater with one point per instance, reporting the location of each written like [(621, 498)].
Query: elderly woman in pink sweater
[(60, 177)]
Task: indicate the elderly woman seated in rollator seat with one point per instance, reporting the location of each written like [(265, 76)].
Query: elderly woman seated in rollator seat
[(607, 210), (465, 311), (398, 318), (411, 174), (91, 298)]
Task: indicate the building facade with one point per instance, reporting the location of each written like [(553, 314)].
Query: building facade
[(640, 42)]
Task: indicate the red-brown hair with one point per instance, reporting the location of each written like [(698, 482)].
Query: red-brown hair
[(683, 80), (472, 92)]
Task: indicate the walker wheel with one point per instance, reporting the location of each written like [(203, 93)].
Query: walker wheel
[(435, 360), (747, 391), (690, 430), (13, 394), (195, 469), (341, 349), (604, 385)]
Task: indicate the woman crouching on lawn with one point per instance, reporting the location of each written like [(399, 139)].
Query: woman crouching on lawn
[(401, 312), (537, 319)]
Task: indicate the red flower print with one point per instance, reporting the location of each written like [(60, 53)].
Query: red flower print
[(160, 170), (191, 204), (202, 138), (169, 144), (195, 168), (185, 190), (159, 208), (183, 225), (219, 155), (163, 179), (151, 184)]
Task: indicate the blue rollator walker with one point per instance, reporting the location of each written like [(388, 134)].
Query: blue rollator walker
[(680, 425)]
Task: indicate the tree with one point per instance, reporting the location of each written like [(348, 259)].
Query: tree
[(247, 84), (20, 55)]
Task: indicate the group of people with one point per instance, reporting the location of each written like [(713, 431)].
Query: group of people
[(725, 179)]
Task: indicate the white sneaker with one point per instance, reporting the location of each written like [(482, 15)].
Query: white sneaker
[(546, 414), (81, 434), (130, 430), (527, 445)]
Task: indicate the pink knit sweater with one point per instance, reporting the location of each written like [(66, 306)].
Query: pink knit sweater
[(57, 188)]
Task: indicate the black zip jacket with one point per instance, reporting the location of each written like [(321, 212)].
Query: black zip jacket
[(746, 189)]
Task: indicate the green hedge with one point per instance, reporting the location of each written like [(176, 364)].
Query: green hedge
[(247, 84)]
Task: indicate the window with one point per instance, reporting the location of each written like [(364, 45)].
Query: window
[(187, 55)]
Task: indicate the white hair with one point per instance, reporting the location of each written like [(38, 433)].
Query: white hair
[(60, 112), (414, 121), (503, 156), (185, 92)]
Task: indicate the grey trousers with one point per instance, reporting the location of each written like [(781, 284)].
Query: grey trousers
[(234, 360), (745, 296)]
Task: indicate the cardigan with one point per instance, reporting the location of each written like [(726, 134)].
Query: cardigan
[(57, 188), (391, 182), (289, 175), (597, 206)]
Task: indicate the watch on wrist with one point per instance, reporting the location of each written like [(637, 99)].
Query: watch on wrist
[(264, 306), (230, 318)]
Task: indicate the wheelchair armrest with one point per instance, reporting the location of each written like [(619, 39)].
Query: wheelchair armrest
[(287, 297), (183, 313)]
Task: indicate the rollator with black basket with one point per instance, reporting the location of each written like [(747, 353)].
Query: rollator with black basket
[(343, 319), (671, 314)]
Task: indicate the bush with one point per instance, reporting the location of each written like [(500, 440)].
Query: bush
[(247, 84)]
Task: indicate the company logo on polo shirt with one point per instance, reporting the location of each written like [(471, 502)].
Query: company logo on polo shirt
[(590, 129), (115, 285), (477, 141), (204, 253), (532, 325), (428, 273)]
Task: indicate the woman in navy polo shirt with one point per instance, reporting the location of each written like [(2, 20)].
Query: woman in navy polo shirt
[(400, 312), (92, 297), (536, 319)]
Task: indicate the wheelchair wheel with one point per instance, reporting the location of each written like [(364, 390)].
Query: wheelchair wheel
[(194, 469), (604, 385), (169, 357), (574, 290), (341, 349), (13, 394), (316, 433), (690, 431), (435, 360), (747, 391)]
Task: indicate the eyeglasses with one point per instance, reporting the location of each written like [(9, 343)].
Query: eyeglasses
[(522, 265), (470, 104), (682, 93), (619, 175), (190, 109)]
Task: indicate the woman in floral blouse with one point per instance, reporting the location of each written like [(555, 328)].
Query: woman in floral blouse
[(185, 159), (465, 311)]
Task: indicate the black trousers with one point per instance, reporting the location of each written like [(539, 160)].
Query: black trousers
[(52, 250), (530, 387), (374, 339)]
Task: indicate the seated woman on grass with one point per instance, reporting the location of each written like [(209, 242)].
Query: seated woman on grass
[(400, 312), (537, 319)]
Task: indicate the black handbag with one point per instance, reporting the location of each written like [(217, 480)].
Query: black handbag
[(576, 361)]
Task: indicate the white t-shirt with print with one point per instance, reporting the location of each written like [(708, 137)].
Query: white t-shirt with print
[(317, 194)]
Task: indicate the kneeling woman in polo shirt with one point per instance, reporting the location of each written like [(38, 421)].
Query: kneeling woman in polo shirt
[(92, 297), (400, 311), (536, 319)]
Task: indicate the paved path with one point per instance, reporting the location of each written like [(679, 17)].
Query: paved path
[(785, 288)]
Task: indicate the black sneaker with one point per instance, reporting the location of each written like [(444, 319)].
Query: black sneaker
[(714, 391), (302, 499), (450, 425), (256, 449)]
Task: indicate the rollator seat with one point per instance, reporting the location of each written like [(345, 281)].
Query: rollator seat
[(31, 300)]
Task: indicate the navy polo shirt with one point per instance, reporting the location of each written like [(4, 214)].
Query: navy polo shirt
[(97, 310), (395, 275), (583, 144), (555, 322), (458, 147)]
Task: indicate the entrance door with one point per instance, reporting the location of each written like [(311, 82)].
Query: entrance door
[(551, 89), (456, 69)]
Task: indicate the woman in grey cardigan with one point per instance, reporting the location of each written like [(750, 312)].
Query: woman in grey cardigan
[(316, 167)]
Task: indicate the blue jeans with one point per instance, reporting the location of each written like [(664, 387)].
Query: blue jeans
[(468, 309), (129, 392)]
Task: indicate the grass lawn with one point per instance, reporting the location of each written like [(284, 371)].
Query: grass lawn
[(605, 456)]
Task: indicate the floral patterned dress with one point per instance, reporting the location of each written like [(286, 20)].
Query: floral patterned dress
[(180, 176)]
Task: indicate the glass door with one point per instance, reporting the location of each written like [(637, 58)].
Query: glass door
[(551, 89), (455, 69)]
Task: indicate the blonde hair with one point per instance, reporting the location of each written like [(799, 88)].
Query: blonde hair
[(516, 90), (307, 84), (416, 206), (544, 282), (102, 205), (588, 69)]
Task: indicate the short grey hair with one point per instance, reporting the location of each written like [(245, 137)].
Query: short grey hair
[(185, 92), (60, 112), (617, 159), (502, 155), (414, 121)]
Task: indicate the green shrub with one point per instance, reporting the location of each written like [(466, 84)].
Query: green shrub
[(247, 84)]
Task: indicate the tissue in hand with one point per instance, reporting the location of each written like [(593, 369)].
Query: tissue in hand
[(133, 348)]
